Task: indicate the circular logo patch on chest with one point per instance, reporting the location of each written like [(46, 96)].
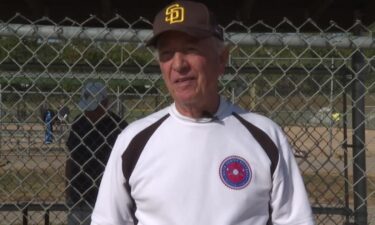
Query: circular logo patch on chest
[(235, 172)]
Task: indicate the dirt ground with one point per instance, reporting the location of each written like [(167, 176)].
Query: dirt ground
[(322, 143), (312, 144), (321, 149), (317, 149)]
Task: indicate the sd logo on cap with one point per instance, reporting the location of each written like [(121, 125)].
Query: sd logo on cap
[(174, 14), (192, 18)]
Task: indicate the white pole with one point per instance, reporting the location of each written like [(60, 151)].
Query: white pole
[(328, 40)]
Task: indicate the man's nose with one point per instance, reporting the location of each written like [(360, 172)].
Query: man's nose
[(179, 62)]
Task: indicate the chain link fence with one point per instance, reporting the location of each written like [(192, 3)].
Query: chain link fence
[(318, 86)]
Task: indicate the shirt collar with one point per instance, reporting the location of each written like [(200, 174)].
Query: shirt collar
[(222, 112)]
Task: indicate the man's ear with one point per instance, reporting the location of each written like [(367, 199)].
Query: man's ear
[(224, 57)]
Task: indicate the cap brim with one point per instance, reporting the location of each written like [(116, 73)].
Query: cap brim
[(197, 33)]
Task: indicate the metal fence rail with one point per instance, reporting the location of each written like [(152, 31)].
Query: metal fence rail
[(318, 86)]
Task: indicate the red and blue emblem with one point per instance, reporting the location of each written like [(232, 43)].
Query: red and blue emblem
[(235, 172)]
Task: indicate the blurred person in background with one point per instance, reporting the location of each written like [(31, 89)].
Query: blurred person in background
[(90, 142), (49, 119)]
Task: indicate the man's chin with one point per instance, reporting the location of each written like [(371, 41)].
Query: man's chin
[(186, 99)]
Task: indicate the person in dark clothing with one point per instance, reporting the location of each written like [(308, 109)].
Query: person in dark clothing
[(90, 142)]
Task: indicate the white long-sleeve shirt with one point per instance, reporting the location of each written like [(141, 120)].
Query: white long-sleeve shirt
[(235, 168)]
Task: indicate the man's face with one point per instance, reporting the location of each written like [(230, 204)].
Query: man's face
[(190, 67)]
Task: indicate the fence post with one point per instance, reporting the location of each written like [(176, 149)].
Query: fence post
[(25, 215), (1, 115), (359, 153), (46, 217), (346, 76)]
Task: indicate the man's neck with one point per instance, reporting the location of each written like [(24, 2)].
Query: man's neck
[(200, 110)]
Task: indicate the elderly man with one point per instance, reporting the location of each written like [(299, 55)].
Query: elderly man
[(202, 160)]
